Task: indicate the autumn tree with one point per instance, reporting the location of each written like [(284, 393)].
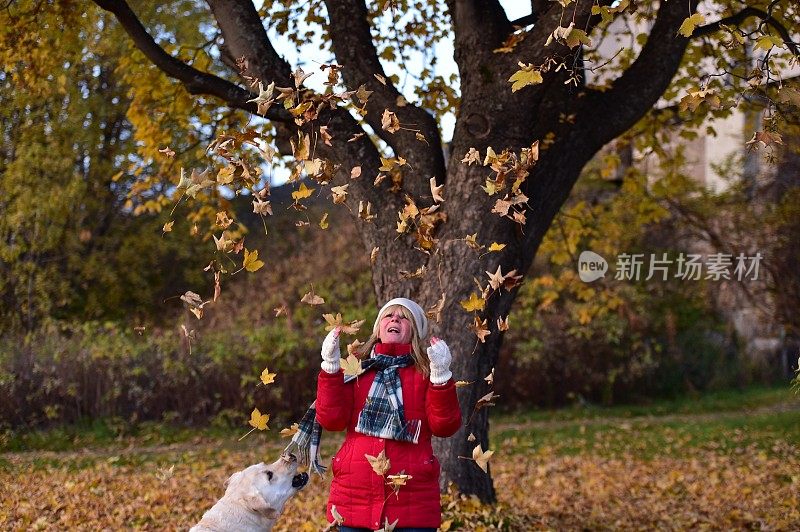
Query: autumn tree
[(536, 99)]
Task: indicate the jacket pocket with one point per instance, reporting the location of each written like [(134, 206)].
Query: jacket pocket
[(426, 470), (340, 459)]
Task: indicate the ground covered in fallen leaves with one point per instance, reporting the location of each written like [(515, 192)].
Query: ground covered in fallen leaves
[(721, 471)]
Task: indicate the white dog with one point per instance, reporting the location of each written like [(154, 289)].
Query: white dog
[(254, 497)]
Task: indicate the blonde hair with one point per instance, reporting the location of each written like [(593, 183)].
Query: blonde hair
[(421, 361)]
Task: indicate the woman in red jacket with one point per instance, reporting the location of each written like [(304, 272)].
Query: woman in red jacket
[(394, 407)]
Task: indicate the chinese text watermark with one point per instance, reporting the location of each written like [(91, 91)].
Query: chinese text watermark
[(686, 266)]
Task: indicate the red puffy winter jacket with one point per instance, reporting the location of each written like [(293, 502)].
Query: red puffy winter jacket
[(362, 496)]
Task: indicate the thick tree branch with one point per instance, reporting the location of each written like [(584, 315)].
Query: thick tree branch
[(355, 50), (195, 81), (738, 18), (606, 115), (480, 26), (245, 36)]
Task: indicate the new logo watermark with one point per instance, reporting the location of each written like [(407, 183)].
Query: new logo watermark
[(591, 266), (686, 266)]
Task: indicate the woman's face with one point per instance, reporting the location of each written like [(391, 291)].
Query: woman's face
[(394, 327)]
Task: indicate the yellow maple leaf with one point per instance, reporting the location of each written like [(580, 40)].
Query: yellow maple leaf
[(302, 193), (473, 303), (351, 365), (494, 246), (258, 420), (524, 77), (267, 377), (380, 464), (251, 262)]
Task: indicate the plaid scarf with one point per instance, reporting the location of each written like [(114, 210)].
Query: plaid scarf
[(382, 416)]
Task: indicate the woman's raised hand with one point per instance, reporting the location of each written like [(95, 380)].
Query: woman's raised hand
[(440, 357), (331, 352)]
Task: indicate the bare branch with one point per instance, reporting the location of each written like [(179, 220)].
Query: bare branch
[(195, 81), (738, 18), (355, 50)]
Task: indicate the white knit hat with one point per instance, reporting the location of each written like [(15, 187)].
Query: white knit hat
[(420, 319)]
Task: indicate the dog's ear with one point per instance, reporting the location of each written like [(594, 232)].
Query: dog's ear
[(254, 501), (233, 478)]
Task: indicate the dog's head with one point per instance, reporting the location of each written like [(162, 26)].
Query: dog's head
[(266, 488)]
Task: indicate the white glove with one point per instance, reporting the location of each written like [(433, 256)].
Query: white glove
[(330, 352), (440, 357)]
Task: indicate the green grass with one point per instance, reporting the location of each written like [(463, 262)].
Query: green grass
[(723, 420), (716, 401), (770, 432), (106, 433)]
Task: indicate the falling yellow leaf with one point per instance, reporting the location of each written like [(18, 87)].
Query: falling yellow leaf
[(460, 384), (352, 349), (524, 77), (395, 481), (355, 173), (389, 121), (373, 255), (436, 192), (302, 149), (486, 400), (472, 156), (496, 278), (168, 226), (337, 321), (251, 262), (339, 193), (302, 192), (312, 299), (502, 324), (473, 303), (323, 223), (480, 329), (225, 175), (267, 377), (380, 464), (258, 420), (481, 457), (290, 431), (494, 246), (351, 365)]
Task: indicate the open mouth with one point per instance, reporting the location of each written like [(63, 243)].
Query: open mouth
[(300, 480), (393, 330)]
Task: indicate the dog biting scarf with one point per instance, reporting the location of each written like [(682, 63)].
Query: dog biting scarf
[(382, 415)]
